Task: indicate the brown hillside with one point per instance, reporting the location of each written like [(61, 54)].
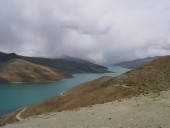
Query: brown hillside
[(17, 70), (152, 77)]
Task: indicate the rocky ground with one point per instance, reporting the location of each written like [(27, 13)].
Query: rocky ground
[(145, 111)]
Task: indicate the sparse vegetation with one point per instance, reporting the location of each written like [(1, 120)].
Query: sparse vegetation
[(17, 70), (152, 77)]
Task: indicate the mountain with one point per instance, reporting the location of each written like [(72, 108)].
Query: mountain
[(136, 63), (6, 57), (68, 64), (18, 70), (149, 78)]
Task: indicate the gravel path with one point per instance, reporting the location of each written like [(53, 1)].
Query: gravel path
[(18, 116), (149, 111)]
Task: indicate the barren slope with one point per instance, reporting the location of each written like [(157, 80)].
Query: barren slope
[(152, 77), (149, 111), (17, 70)]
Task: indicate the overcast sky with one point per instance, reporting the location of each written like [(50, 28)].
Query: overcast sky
[(104, 31)]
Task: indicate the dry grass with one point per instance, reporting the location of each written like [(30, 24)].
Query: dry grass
[(17, 70), (152, 77), (90, 93)]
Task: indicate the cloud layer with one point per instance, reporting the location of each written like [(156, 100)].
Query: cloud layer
[(104, 31)]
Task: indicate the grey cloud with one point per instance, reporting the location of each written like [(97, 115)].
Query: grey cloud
[(103, 31), (90, 30)]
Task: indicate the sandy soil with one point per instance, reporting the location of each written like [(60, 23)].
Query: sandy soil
[(149, 111)]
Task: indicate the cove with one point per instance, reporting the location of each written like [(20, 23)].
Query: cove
[(15, 96)]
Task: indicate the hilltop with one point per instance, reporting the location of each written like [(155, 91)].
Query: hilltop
[(6, 57)]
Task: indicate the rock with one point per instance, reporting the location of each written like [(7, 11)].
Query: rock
[(2, 124), (46, 117)]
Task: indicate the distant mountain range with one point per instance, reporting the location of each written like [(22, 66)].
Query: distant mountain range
[(136, 63), (6, 57), (16, 68), (67, 64)]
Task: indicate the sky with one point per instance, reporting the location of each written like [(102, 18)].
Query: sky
[(102, 31)]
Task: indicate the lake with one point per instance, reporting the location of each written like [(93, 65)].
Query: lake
[(15, 96)]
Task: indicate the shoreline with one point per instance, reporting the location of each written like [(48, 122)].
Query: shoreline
[(38, 82), (135, 112)]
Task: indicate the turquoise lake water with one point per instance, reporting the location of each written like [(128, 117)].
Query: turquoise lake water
[(15, 96)]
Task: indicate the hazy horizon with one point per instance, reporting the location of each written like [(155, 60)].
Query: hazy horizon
[(102, 31)]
